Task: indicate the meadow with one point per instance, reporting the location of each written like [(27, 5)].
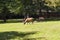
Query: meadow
[(47, 30)]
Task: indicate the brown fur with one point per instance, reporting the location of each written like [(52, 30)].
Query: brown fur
[(27, 20)]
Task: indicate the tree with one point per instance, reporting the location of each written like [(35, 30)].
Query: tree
[(53, 4), (5, 11), (10, 6)]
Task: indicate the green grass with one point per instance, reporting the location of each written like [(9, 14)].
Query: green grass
[(49, 30)]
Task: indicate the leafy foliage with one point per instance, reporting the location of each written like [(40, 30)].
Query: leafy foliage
[(54, 4), (13, 5), (28, 7)]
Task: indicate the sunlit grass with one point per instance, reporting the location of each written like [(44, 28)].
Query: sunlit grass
[(49, 30)]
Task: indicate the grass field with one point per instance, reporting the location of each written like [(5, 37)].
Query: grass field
[(49, 30)]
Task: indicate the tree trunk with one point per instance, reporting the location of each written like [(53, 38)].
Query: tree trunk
[(4, 19)]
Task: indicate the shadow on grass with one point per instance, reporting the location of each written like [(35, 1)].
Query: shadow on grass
[(47, 20), (21, 21), (1, 22), (11, 21), (13, 34)]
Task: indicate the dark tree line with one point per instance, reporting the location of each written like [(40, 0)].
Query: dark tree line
[(28, 8)]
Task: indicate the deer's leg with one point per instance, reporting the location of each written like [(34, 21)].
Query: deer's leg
[(32, 21), (28, 22)]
